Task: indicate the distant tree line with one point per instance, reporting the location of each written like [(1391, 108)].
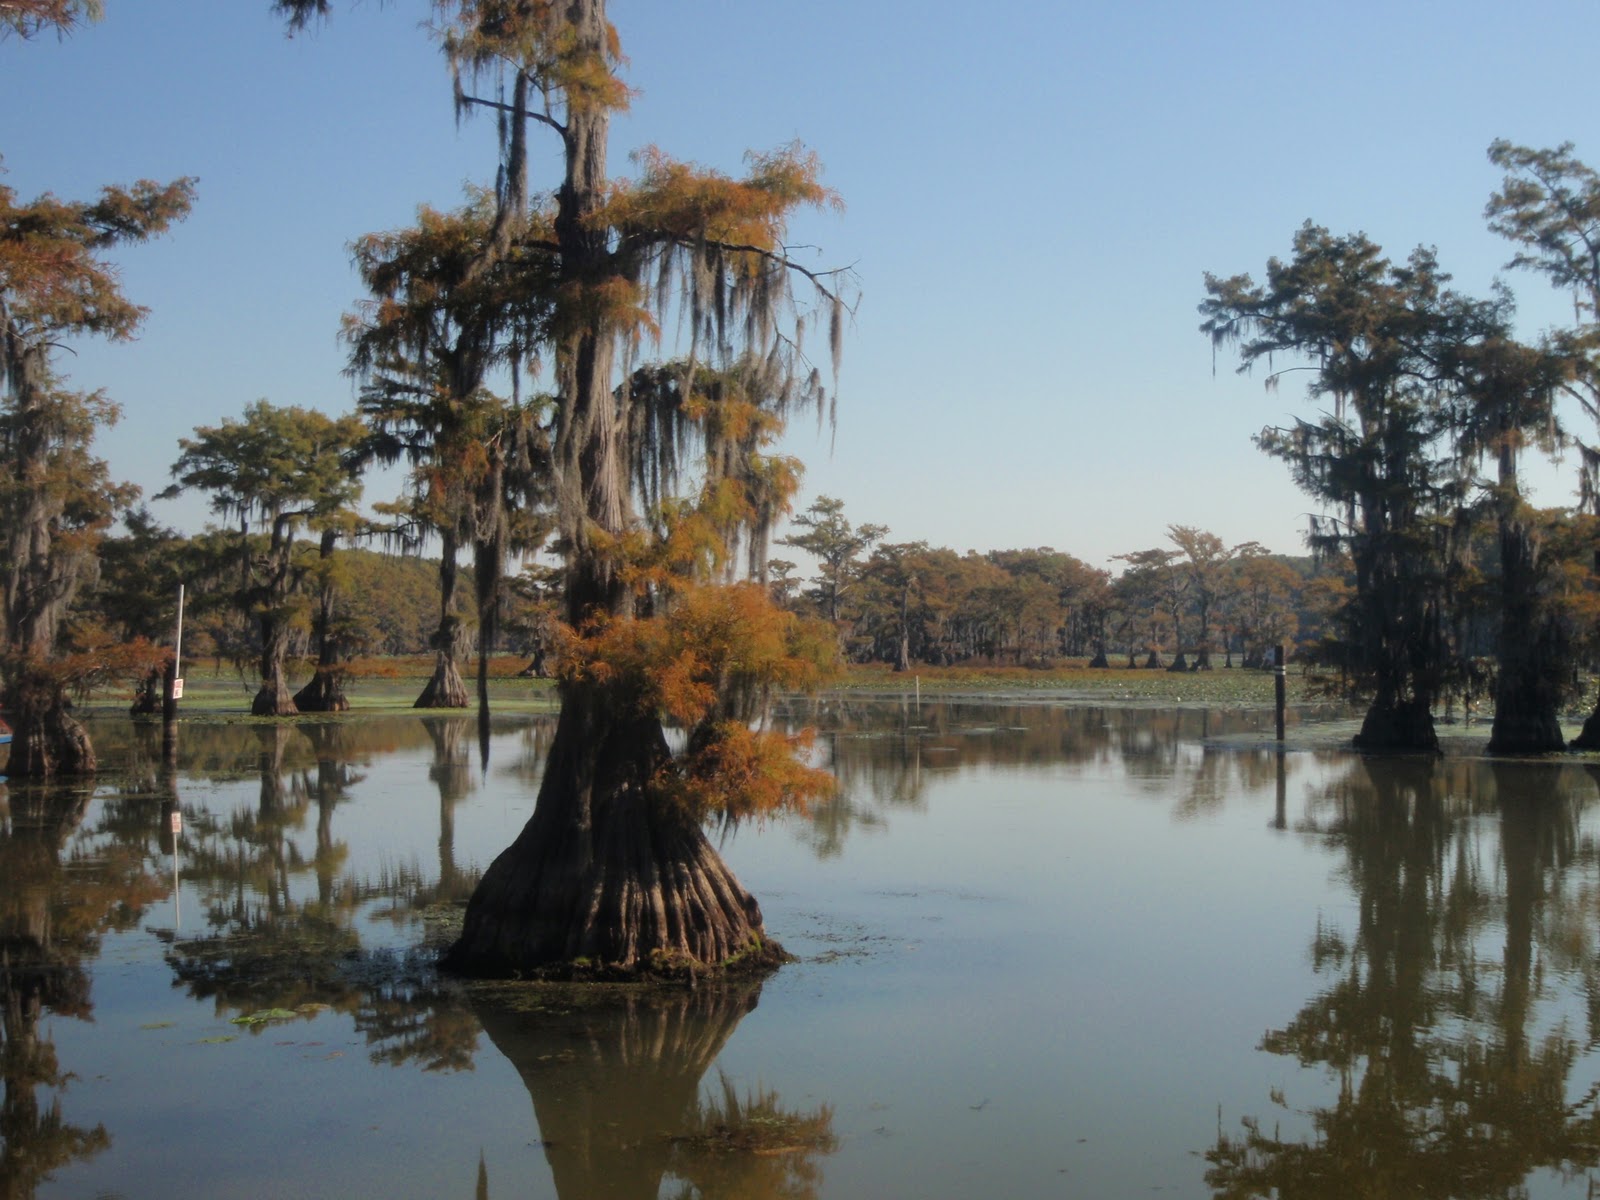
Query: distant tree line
[(1193, 603)]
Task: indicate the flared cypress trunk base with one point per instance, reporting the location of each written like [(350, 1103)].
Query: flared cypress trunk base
[(1526, 733), (902, 656), (324, 693), (1589, 737), (445, 689), (46, 739), (274, 700), (608, 881), (1398, 727)]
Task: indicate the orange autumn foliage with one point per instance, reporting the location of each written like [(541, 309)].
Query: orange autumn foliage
[(683, 200), (705, 665)]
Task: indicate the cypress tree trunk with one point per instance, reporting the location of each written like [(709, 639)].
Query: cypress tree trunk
[(46, 739), (604, 872), (1400, 636), (1527, 687), (39, 581), (325, 691), (445, 689), (148, 699), (274, 699), (1394, 724), (1589, 737)]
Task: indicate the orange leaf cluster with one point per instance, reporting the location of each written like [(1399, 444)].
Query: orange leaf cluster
[(692, 203), (705, 663), (53, 276), (535, 35), (711, 643), (737, 773)]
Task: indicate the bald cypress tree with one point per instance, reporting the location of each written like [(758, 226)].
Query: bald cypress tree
[(286, 469), (1548, 205), (614, 868), (57, 281), (1381, 342)]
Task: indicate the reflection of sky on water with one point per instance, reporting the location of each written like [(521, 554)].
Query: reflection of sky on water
[(1044, 951)]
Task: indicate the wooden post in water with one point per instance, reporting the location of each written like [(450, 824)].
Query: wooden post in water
[(1279, 685)]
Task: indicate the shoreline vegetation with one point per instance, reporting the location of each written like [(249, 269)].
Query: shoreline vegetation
[(389, 685), (1318, 719)]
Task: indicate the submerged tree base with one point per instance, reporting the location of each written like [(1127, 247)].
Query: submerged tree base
[(1398, 727), (1529, 733), (757, 961), (1589, 737), (445, 689), (274, 700), (323, 694), (608, 880), (46, 739)]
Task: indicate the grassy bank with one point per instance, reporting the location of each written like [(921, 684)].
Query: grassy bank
[(1219, 686), (381, 685)]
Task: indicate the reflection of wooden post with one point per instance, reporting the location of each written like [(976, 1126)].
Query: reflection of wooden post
[(1280, 818), (1279, 685)]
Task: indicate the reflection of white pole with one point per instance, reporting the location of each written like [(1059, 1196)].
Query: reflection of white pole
[(176, 827)]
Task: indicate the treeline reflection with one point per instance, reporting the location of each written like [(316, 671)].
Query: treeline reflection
[(1449, 1047), (887, 753), (62, 889), (1457, 1025), (616, 1088)]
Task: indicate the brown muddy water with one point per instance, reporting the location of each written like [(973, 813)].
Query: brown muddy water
[(1044, 951)]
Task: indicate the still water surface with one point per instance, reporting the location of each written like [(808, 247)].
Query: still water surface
[(1045, 951)]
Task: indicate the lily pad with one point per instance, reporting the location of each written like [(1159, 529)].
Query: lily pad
[(265, 1017)]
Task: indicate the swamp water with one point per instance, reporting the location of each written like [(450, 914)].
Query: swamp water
[(1044, 951)]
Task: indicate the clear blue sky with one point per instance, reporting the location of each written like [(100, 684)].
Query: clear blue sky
[(1032, 190)]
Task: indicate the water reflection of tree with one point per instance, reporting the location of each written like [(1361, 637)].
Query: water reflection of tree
[(1441, 1027), (885, 752), (616, 1089), (273, 944), (451, 773), (55, 906)]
